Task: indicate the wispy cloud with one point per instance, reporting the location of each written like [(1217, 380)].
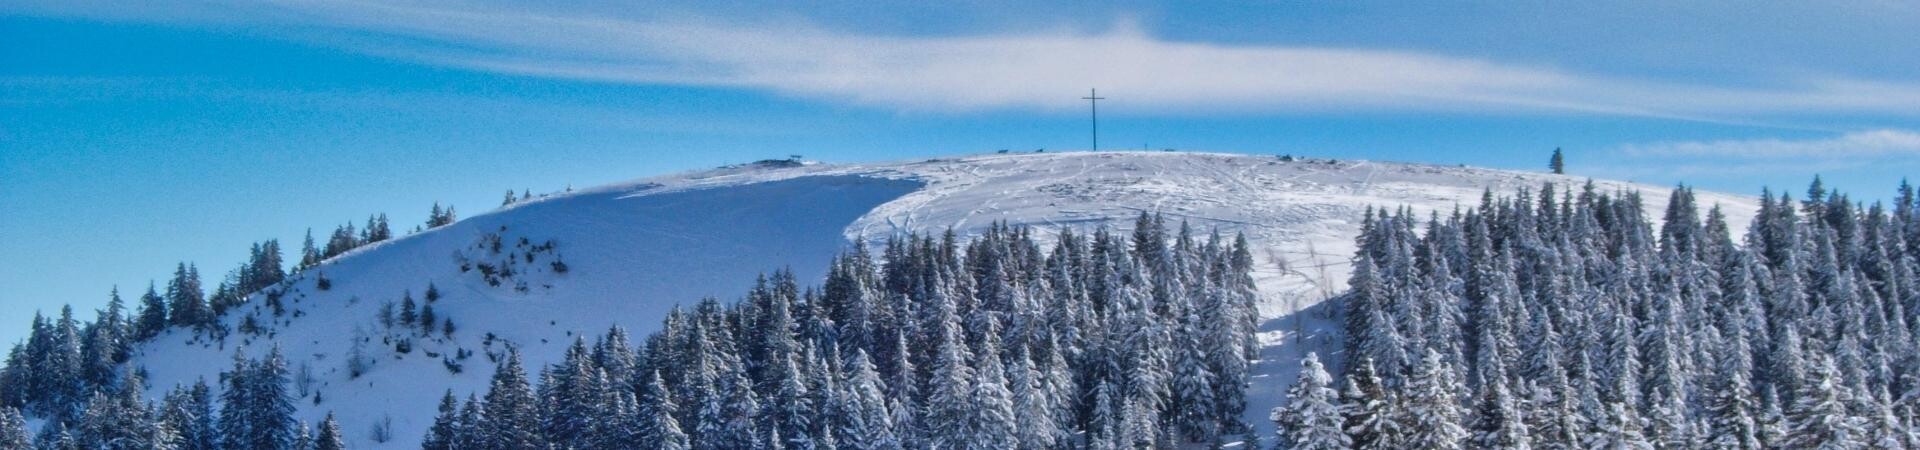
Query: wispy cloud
[(1775, 159), (1030, 70), (1870, 143)]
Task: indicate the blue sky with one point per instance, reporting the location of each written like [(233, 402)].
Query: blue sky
[(136, 135)]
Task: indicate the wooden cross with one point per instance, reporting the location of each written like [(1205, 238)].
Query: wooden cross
[(1093, 99)]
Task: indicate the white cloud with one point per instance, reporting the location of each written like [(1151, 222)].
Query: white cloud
[(1033, 70), (1872, 143)]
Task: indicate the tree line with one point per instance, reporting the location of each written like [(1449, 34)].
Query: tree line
[(255, 412), (1563, 319), (1105, 341), (67, 364)]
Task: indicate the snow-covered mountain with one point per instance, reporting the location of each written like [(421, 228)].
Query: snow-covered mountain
[(628, 252)]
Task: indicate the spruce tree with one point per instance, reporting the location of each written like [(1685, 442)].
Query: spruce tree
[(185, 300), (510, 419), (329, 437), (991, 417), (302, 438), (1311, 419), (947, 424), (1194, 387), (1732, 402), (1819, 418), (1033, 408), (408, 311), (1431, 415), (656, 415), (441, 436), (1619, 429), (727, 420), (868, 424), (188, 412), (1497, 421), (1370, 411), (153, 315), (309, 255), (13, 430), (122, 421)]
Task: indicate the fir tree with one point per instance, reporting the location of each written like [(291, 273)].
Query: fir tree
[(1370, 411), (329, 437), (302, 438), (1033, 408), (1498, 423), (13, 430), (442, 435), (1431, 414), (1732, 401), (510, 418), (255, 411), (656, 415), (122, 421), (309, 255), (947, 425), (1311, 419), (188, 412), (1819, 418), (868, 424), (408, 311), (153, 315), (727, 418), (185, 300), (991, 417)]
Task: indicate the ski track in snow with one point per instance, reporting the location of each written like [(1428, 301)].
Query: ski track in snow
[(637, 248)]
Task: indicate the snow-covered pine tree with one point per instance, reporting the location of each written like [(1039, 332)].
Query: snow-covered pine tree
[(302, 437), (409, 312), (1193, 382), (1498, 423), (510, 419), (1619, 429), (188, 412), (1370, 411), (727, 421), (1819, 418), (822, 376), (185, 299), (575, 398), (441, 436), (309, 254), (1431, 415), (1033, 407), (990, 418), (329, 438), (122, 421), (1732, 402), (950, 398), (255, 411), (105, 343), (790, 409), (13, 430), (867, 424), (153, 315), (1312, 419), (655, 412)]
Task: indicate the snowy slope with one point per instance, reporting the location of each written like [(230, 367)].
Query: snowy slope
[(633, 250)]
